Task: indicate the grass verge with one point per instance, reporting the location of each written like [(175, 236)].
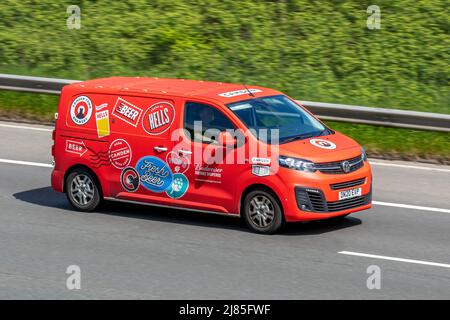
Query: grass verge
[(399, 144), (380, 142)]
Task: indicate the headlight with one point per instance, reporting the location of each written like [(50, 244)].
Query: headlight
[(297, 164), (363, 154)]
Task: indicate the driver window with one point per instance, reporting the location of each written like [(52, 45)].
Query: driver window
[(212, 122)]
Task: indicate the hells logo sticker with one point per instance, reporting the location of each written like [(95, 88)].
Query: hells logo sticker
[(158, 118), (102, 121), (127, 112)]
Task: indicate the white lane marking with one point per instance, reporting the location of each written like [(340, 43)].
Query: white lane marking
[(409, 206), (408, 166), (25, 127), (386, 164), (379, 203), (374, 256), (26, 163)]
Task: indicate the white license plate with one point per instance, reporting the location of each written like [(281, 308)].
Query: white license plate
[(348, 194)]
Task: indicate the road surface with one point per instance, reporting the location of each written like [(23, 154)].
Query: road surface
[(141, 252)]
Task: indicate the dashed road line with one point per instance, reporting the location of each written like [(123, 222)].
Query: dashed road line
[(25, 127), (409, 206), (26, 163), (374, 256)]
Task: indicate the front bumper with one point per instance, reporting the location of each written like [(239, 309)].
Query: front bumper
[(315, 196), (314, 200)]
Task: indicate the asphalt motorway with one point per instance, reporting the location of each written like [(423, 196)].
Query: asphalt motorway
[(141, 252)]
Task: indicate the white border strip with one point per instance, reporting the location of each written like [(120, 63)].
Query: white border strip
[(365, 255), (408, 206), (26, 163)]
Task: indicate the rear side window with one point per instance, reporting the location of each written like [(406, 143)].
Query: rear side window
[(208, 119)]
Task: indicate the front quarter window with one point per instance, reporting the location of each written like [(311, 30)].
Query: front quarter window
[(210, 119)]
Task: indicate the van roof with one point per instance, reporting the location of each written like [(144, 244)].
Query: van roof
[(221, 91)]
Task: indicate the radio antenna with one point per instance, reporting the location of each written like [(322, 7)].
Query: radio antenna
[(249, 92)]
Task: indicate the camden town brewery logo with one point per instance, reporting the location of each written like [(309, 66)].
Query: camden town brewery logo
[(158, 118), (81, 110)]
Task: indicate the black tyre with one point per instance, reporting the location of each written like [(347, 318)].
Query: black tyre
[(82, 190), (262, 212)]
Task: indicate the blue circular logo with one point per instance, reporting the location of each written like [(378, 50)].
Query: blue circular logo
[(155, 174), (179, 186)]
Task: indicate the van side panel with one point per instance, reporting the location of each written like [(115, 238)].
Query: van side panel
[(82, 135)]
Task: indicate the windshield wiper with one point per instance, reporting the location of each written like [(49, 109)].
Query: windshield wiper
[(308, 135), (325, 132), (299, 137)]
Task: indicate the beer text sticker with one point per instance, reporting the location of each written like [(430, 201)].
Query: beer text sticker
[(127, 112)]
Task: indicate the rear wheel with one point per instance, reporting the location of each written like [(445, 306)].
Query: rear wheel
[(83, 190), (262, 212)]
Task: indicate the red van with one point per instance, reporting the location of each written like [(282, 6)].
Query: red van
[(249, 152)]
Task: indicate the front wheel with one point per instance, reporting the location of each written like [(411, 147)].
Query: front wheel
[(83, 191), (262, 212)]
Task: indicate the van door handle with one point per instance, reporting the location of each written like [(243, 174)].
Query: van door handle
[(160, 149), (185, 152)]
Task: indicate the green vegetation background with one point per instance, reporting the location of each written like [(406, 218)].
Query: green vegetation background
[(312, 50)]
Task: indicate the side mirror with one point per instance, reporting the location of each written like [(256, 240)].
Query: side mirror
[(227, 140)]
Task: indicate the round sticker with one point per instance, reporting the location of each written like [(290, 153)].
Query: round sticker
[(177, 163), (155, 174), (81, 110), (324, 144), (120, 153), (130, 179), (158, 118), (179, 186)]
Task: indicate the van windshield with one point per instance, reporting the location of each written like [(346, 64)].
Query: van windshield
[(279, 113)]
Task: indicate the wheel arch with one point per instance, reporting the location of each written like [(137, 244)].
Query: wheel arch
[(256, 186), (85, 167)]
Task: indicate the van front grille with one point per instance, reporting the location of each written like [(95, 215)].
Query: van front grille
[(347, 184), (346, 204), (314, 200), (335, 167)]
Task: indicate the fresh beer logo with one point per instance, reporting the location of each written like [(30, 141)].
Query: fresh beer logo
[(155, 174), (81, 110), (127, 112), (158, 118)]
